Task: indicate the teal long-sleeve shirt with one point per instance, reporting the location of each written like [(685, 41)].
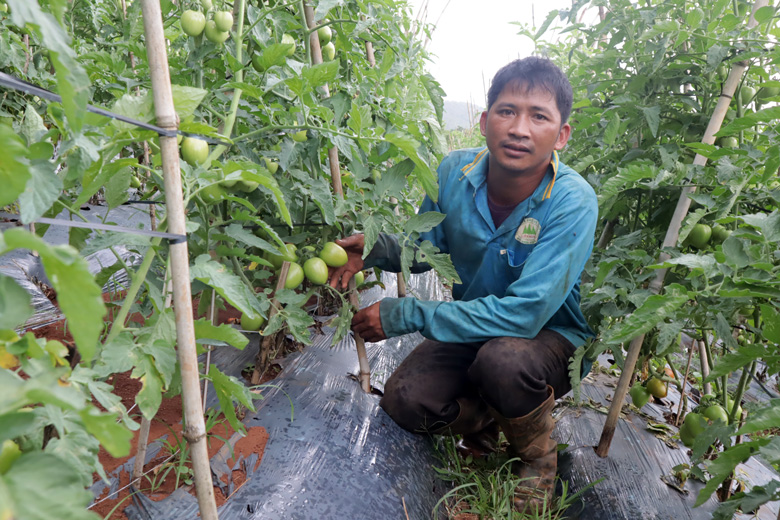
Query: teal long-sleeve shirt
[(517, 279)]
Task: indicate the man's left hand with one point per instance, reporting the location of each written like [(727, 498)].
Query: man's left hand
[(368, 323)]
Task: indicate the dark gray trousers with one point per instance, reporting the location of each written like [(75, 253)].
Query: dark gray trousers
[(428, 389)]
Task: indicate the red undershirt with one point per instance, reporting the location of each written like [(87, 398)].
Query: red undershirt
[(499, 213)]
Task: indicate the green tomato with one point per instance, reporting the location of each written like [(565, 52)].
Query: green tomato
[(716, 413), (767, 93), (193, 22), (257, 63), (294, 276), (223, 20), (686, 436), (3, 8), (328, 52), (194, 151), (693, 425), (299, 136), (288, 40), (214, 35), (657, 387), (316, 270), (213, 193), (135, 182), (730, 405), (723, 71), (325, 34), (333, 254), (251, 322), (206, 4), (700, 236), (247, 186), (360, 277), (9, 452), (639, 395), (696, 423), (270, 165), (289, 254), (746, 94), (720, 233), (728, 142)]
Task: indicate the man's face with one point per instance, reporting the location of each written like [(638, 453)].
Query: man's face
[(522, 128)]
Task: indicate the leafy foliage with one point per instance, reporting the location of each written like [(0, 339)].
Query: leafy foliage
[(261, 188)]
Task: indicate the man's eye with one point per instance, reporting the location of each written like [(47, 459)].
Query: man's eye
[(540, 117)]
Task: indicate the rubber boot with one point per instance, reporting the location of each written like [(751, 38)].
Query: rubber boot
[(529, 439), (476, 424)]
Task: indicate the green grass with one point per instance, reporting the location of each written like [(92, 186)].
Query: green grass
[(485, 487)]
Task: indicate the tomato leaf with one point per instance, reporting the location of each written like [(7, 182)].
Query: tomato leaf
[(114, 437), (14, 168), (654, 309), (765, 418), (320, 74), (42, 485), (228, 389), (14, 303), (205, 330), (423, 171), (227, 284)]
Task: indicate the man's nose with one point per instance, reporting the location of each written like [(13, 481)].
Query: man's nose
[(520, 126)]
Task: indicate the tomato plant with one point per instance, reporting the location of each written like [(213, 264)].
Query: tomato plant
[(647, 78), (246, 199)]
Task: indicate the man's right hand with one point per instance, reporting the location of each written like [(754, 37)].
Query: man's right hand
[(353, 245)]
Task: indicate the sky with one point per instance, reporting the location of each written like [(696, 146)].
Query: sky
[(473, 39)]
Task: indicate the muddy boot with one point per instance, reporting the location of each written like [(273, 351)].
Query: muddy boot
[(529, 439)]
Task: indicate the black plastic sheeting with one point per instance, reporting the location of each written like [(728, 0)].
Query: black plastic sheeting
[(639, 463), (332, 452), (26, 269), (341, 456)]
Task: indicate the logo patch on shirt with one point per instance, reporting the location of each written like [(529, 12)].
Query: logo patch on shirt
[(528, 232)]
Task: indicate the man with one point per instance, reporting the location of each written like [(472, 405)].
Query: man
[(519, 229)]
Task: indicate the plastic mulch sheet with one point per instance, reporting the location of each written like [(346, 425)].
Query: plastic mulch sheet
[(638, 481), (26, 268), (332, 452)]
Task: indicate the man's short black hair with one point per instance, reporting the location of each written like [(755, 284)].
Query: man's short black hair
[(532, 72)]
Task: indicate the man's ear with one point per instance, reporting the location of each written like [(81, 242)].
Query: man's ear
[(563, 137), (483, 123)]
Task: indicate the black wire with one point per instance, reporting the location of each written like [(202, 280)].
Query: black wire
[(8, 81)]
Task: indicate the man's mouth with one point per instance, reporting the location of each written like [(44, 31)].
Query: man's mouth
[(516, 149)]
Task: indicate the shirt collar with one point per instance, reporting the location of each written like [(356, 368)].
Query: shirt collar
[(476, 173)]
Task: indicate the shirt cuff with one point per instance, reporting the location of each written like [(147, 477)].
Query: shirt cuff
[(391, 312)]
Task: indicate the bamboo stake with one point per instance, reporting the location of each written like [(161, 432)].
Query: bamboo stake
[(143, 434), (209, 348), (360, 344), (685, 380), (261, 360), (672, 234), (316, 58), (400, 283), (195, 430)]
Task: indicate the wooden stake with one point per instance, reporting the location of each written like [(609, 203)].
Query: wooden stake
[(685, 380), (316, 58), (672, 234), (195, 430), (360, 344)]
